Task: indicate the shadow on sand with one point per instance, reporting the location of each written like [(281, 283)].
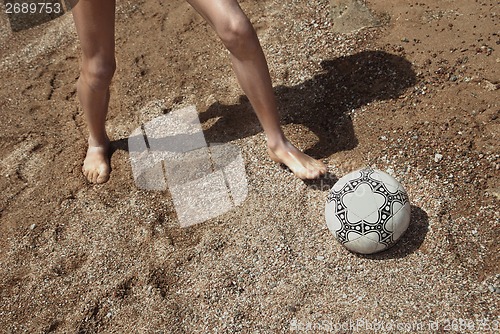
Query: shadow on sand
[(410, 241), (323, 103)]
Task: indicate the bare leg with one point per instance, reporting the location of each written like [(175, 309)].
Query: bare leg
[(250, 66), (94, 20)]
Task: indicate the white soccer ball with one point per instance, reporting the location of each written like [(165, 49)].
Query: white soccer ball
[(367, 211)]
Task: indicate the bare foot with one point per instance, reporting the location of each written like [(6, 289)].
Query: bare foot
[(302, 165), (96, 166)]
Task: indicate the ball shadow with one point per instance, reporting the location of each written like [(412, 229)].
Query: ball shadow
[(323, 183), (324, 103), (410, 241)]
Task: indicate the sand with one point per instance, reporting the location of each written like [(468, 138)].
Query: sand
[(413, 92)]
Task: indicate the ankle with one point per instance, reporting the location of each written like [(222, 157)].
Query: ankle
[(102, 141), (276, 142)]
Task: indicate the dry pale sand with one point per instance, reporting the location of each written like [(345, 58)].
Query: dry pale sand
[(414, 93)]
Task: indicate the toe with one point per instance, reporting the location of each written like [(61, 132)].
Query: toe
[(322, 170), (320, 167), (313, 174), (102, 177), (86, 173), (94, 175), (307, 174)]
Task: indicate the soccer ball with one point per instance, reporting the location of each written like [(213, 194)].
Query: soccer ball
[(367, 211)]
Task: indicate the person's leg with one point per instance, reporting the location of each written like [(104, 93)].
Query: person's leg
[(94, 20), (250, 66)]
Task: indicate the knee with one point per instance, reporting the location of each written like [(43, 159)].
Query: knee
[(98, 73), (237, 34)]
